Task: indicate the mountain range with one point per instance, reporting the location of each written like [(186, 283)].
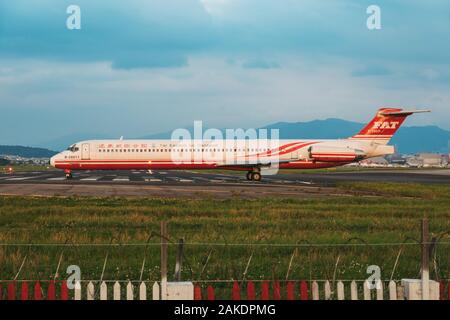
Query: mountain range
[(407, 140), (26, 152)]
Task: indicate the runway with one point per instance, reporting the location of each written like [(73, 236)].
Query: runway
[(187, 183)]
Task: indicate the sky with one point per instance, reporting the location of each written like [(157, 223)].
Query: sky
[(142, 67)]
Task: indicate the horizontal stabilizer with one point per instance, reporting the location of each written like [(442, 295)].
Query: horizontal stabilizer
[(402, 113)]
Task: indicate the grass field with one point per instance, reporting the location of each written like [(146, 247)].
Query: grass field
[(267, 230)]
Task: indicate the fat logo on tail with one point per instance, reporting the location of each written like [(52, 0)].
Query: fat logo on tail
[(384, 125)]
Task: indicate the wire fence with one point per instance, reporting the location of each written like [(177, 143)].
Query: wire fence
[(206, 262), (140, 244)]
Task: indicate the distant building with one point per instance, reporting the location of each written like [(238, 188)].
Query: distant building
[(414, 162), (13, 159), (430, 159), (4, 162), (374, 162), (396, 158), (427, 160)]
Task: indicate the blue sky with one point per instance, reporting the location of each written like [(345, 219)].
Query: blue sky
[(141, 67)]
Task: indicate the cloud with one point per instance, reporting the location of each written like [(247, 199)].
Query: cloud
[(145, 60), (260, 64), (156, 33), (43, 101), (144, 34), (214, 7), (140, 67), (375, 70)]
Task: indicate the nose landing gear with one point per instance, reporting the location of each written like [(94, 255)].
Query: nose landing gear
[(68, 174), (253, 176)]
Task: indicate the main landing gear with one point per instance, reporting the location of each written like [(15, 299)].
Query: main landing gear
[(68, 174), (253, 176)]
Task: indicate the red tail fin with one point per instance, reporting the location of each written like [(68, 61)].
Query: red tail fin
[(385, 124)]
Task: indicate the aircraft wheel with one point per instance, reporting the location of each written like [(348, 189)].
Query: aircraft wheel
[(256, 176), (249, 176), (68, 176)]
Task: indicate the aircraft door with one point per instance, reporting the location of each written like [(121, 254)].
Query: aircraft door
[(85, 151), (294, 154)]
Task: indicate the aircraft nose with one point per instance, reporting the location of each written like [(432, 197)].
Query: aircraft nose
[(52, 161)]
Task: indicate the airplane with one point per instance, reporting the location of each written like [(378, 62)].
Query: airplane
[(253, 156)]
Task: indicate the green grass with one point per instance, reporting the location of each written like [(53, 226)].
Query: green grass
[(392, 215)]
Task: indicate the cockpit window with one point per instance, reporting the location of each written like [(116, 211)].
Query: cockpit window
[(73, 148)]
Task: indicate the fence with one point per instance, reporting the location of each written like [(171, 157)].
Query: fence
[(315, 290), (250, 290), (247, 289)]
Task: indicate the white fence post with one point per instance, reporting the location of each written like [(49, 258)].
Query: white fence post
[(327, 290), (103, 291), (156, 291), (116, 291), (340, 290), (142, 291), (395, 292), (77, 290), (392, 290), (90, 291), (366, 290), (130, 293), (315, 290), (400, 292), (379, 290), (353, 290)]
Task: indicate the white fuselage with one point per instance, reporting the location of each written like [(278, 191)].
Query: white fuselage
[(201, 154)]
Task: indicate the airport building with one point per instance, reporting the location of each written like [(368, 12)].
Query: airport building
[(12, 159), (428, 160), (374, 162)]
